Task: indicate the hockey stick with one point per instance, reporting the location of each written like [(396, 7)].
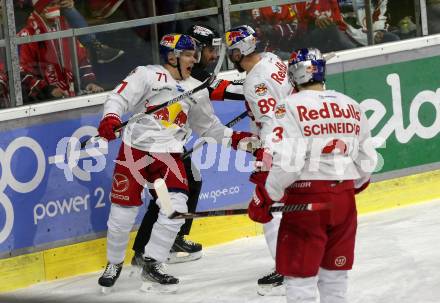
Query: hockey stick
[(163, 195), (229, 124), (242, 211), (180, 97), (167, 207)]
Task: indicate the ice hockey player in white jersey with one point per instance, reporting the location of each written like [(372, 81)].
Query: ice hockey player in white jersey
[(151, 148), (322, 153), (266, 82), (184, 250)]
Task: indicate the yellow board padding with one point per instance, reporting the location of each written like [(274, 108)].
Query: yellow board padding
[(90, 256), (21, 271), (399, 192)]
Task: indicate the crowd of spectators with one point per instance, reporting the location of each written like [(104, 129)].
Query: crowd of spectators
[(46, 67), (330, 25)]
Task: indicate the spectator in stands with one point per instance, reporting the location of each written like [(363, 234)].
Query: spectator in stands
[(320, 24), (401, 17), (275, 27), (46, 66), (103, 9), (100, 52), (4, 88), (358, 30)]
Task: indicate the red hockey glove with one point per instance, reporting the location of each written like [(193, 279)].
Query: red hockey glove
[(108, 125), (362, 188), (245, 141), (258, 177), (259, 207), (263, 159), (218, 89)]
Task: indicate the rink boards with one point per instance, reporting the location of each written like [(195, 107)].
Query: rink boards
[(53, 213)]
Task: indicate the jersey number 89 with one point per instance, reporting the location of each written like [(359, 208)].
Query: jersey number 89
[(267, 105)]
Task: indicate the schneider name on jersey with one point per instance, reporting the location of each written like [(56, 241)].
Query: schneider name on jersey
[(319, 135)]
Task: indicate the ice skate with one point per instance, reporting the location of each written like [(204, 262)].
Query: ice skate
[(154, 280), (184, 250), (271, 285), (109, 277)]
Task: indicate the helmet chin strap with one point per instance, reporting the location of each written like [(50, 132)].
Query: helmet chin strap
[(179, 69)]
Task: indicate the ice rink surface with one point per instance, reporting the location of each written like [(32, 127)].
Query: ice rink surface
[(397, 261)]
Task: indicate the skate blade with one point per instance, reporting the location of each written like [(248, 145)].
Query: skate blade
[(181, 257), (154, 287), (106, 290), (270, 290)]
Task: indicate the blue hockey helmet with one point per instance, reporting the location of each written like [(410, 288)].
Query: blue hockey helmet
[(306, 65), (176, 43), (242, 38)]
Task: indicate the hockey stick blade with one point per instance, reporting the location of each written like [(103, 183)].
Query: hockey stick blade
[(164, 196), (229, 124), (242, 211)]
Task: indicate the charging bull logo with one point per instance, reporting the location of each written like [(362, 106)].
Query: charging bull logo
[(280, 111), (293, 57), (171, 116), (233, 37), (260, 89)]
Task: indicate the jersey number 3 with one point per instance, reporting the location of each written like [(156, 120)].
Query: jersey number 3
[(278, 132)]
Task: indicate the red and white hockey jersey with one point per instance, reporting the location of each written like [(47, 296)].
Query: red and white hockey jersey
[(167, 129), (319, 135), (265, 85)]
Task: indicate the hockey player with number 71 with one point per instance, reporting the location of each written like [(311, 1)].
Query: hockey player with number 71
[(265, 85), (151, 148)]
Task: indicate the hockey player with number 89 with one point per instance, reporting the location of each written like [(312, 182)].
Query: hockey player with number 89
[(266, 83), (152, 149), (322, 153)]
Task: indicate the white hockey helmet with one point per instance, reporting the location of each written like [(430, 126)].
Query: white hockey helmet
[(306, 65), (242, 38)]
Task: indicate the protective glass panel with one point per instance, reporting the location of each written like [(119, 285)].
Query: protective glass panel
[(433, 11)]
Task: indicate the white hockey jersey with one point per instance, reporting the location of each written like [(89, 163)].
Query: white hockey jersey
[(319, 135), (168, 129), (265, 85)]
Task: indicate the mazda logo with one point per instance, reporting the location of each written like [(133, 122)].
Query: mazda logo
[(120, 183)]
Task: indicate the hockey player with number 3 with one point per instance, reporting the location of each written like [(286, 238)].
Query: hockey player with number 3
[(266, 83), (152, 149), (322, 153)]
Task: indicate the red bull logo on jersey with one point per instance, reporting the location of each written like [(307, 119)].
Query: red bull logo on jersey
[(233, 37), (171, 116), (280, 111), (260, 89)]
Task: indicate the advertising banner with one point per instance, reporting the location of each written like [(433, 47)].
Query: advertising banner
[(48, 194)]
